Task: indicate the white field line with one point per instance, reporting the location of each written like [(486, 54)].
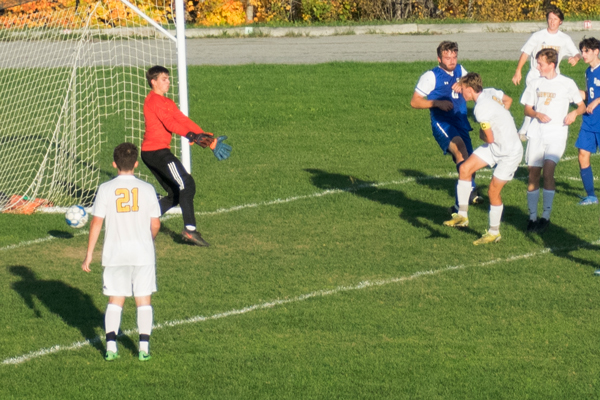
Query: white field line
[(254, 205), (296, 299), (485, 173)]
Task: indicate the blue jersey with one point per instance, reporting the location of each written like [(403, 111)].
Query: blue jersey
[(591, 122), (437, 85)]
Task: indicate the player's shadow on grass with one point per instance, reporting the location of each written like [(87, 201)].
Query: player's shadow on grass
[(412, 211), (73, 306), (557, 238)]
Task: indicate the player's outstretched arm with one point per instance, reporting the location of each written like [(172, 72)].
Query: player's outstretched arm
[(419, 102), (95, 228), (516, 79)]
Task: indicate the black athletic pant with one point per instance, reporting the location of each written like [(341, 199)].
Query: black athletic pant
[(173, 177)]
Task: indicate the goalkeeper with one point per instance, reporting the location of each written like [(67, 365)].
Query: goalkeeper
[(162, 118)]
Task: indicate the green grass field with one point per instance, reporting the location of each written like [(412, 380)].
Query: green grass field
[(330, 274)]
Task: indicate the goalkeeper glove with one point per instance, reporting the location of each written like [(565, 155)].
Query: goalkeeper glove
[(220, 149), (204, 139)]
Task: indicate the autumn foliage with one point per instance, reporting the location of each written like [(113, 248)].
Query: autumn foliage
[(233, 12)]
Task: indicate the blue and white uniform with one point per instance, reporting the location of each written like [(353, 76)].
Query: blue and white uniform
[(436, 84), (589, 135)]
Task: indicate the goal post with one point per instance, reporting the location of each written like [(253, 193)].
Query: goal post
[(72, 87)]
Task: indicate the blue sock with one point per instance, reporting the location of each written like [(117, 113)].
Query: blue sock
[(588, 181)]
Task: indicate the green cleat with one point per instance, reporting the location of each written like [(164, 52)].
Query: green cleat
[(457, 221), (111, 355), (144, 356), (487, 238)]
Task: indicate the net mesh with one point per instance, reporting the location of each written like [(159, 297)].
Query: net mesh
[(72, 86)]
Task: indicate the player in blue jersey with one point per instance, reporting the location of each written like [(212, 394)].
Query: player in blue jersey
[(589, 135), (438, 91)]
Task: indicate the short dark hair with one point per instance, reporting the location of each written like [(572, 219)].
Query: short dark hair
[(472, 80), (447, 45), (556, 11), (551, 56), (125, 156), (153, 73), (589, 43)]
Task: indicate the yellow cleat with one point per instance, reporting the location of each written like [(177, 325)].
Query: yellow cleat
[(487, 238), (457, 221)]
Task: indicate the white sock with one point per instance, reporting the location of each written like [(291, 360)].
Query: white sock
[(463, 190), (548, 199), (112, 321), (190, 227), (144, 322), (495, 217), (533, 198)]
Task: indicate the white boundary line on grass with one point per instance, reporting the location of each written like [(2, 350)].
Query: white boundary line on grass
[(296, 299), (286, 200)]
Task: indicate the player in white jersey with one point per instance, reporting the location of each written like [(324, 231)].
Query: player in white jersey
[(547, 101), (549, 38), (129, 207), (502, 150)]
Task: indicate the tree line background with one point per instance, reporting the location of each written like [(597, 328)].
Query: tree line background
[(233, 12)]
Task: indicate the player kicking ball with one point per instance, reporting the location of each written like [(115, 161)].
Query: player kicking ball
[(547, 101), (589, 135), (130, 208), (502, 150)]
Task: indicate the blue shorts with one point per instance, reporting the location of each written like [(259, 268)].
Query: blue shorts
[(443, 133), (588, 140)]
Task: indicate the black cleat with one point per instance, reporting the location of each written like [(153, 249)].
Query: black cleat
[(532, 226), (474, 197), (194, 237), (542, 225)]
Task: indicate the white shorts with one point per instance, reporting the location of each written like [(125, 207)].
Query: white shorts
[(545, 147), (129, 281), (506, 166)]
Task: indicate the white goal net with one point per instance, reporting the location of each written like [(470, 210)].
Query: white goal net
[(72, 87)]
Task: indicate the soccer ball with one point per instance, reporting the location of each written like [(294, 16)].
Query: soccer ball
[(76, 216)]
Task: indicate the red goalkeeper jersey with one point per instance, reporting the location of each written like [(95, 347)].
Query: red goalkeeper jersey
[(162, 118)]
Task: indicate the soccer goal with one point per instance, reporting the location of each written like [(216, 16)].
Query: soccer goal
[(72, 86)]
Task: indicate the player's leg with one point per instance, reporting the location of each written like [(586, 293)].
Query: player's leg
[(117, 286), (157, 164), (495, 216), (533, 196), (143, 281), (554, 149), (548, 195), (587, 144), (534, 157), (463, 190), (144, 323), (112, 322)]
